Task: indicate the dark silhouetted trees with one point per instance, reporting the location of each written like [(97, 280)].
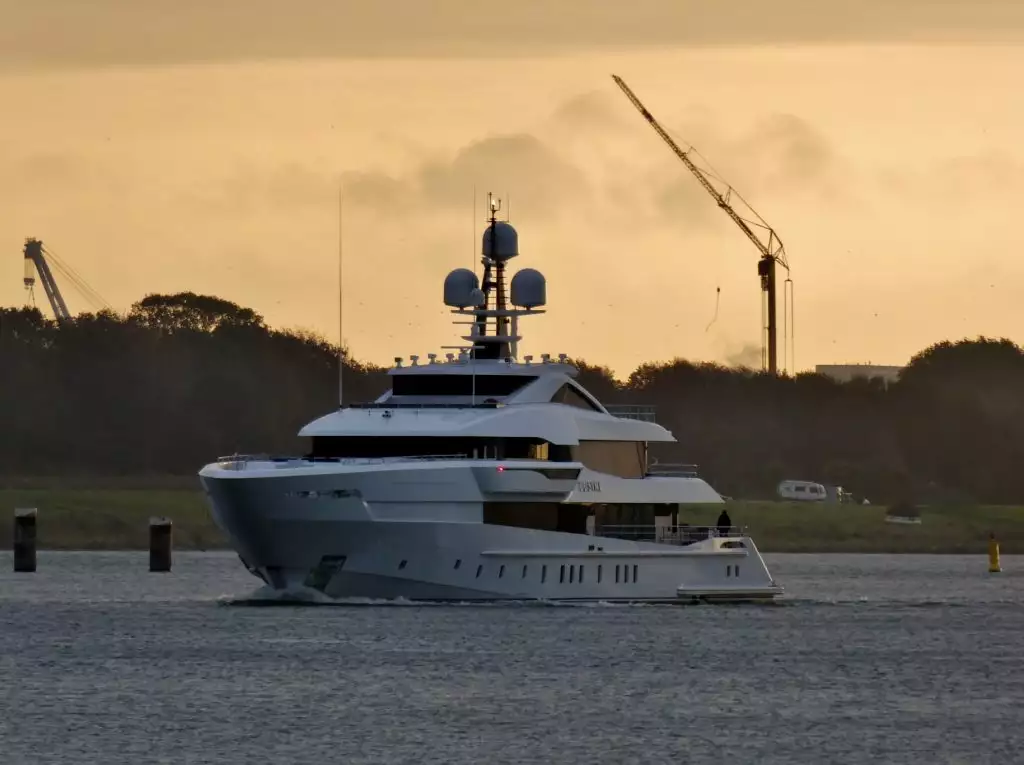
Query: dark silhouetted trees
[(185, 378)]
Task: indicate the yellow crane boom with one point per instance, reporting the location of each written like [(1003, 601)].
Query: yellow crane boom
[(767, 241)]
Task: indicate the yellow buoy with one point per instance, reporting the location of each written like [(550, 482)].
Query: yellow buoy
[(993, 555)]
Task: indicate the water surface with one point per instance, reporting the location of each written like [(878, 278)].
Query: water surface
[(872, 658)]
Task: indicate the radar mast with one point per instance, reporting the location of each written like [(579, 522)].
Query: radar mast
[(494, 334)]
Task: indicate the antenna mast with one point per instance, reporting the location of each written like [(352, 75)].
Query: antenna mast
[(767, 241), (341, 310)]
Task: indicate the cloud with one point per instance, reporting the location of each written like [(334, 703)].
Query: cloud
[(72, 33), (518, 166), (590, 154)]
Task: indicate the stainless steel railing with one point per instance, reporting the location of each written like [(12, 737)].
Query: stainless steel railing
[(642, 412), (677, 535), (677, 469)]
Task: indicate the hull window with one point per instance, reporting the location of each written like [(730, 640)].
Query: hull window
[(561, 575), (616, 575), (402, 565), (479, 570), (599, 573), (543, 574), (635, 570), (501, 573), (581, 575), (524, 572), (457, 564)]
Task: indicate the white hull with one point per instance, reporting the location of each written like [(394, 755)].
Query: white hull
[(401, 530)]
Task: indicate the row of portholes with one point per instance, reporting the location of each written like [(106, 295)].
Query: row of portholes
[(732, 570), (624, 573)]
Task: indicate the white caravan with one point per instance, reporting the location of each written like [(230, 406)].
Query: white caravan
[(802, 491)]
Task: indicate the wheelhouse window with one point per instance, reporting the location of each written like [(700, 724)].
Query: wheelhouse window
[(568, 394), (329, 447), (458, 385)]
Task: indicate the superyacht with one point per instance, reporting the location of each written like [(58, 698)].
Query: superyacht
[(482, 476)]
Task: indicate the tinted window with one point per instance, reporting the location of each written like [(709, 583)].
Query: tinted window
[(572, 397), (458, 385), (627, 459)]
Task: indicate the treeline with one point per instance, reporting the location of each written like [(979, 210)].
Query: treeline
[(181, 379)]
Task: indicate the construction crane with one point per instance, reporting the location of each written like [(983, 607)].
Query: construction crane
[(37, 260), (763, 236)]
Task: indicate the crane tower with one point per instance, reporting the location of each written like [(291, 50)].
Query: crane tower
[(763, 236), (37, 261)]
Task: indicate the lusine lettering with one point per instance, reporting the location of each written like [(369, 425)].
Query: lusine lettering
[(588, 486)]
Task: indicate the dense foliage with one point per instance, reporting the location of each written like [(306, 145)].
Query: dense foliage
[(184, 378)]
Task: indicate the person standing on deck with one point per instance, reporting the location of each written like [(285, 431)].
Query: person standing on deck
[(724, 523)]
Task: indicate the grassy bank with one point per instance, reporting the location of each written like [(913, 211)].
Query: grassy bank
[(114, 515), (110, 519)]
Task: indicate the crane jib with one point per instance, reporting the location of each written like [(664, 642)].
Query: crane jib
[(772, 251)]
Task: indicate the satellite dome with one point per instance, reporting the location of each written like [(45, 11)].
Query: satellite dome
[(529, 288), (501, 241), (460, 287)]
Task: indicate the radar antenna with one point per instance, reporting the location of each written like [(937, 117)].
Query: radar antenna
[(491, 298)]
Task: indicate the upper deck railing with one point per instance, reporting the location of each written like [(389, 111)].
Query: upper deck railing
[(673, 469), (642, 412), (674, 535)]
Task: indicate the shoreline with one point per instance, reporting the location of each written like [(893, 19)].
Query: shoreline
[(73, 518)]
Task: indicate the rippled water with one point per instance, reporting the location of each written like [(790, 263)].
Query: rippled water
[(914, 659)]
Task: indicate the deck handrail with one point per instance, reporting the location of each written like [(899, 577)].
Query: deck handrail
[(672, 469), (642, 412), (680, 535)]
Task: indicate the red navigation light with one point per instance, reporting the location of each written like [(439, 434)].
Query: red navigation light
[(501, 468)]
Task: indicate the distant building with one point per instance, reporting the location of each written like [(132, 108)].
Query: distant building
[(847, 372)]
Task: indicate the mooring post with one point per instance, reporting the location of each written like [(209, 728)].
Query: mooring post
[(160, 535), (25, 539)]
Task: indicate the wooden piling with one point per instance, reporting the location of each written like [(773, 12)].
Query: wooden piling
[(25, 539), (160, 544)]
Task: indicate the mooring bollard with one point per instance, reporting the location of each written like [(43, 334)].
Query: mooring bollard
[(25, 539), (160, 534)]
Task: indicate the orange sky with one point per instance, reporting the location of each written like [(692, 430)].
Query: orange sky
[(891, 171)]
